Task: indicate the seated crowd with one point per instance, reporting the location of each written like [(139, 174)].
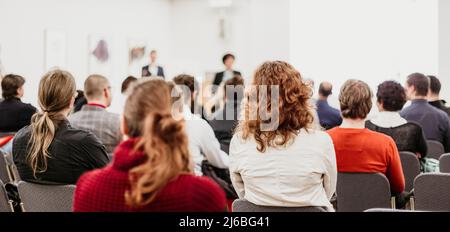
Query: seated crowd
[(164, 154)]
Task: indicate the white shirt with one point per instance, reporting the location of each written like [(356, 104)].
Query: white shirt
[(299, 175), (203, 143), (388, 119), (153, 68)]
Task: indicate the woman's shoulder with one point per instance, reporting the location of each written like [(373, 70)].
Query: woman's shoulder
[(315, 135)]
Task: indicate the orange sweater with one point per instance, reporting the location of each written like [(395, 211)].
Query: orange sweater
[(365, 151)]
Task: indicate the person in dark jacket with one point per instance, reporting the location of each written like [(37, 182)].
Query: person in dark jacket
[(228, 60), (408, 136), (329, 117), (433, 95), (225, 120), (14, 113), (49, 150), (153, 69), (434, 122)]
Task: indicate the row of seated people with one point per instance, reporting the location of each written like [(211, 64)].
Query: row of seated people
[(153, 167)]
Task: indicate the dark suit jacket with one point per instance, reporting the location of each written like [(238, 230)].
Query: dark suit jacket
[(219, 77), (434, 122), (15, 115), (441, 105), (329, 117), (146, 72)]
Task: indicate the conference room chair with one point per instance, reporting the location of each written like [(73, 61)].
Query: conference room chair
[(5, 175), (435, 149), (6, 205), (431, 192), (244, 206), (357, 192), (444, 163), (390, 211), (46, 198), (411, 169)]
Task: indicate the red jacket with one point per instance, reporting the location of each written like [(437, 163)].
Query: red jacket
[(366, 151), (103, 190)]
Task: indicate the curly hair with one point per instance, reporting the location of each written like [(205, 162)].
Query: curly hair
[(392, 95), (355, 99), (294, 108)]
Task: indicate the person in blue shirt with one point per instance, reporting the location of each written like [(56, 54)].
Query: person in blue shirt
[(435, 122), (329, 117)]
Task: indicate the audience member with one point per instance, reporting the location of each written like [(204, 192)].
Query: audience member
[(360, 150), (153, 69), (14, 113), (94, 117), (292, 165), (152, 171), (50, 150), (225, 120), (329, 117), (435, 122), (408, 136), (228, 60), (190, 82), (127, 83), (80, 101), (203, 144), (433, 95)]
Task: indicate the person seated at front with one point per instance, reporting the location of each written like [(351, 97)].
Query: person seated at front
[(203, 144), (360, 150), (14, 113), (50, 151), (329, 117), (434, 122), (225, 120), (433, 95), (277, 158), (408, 136), (94, 117), (152, 170)]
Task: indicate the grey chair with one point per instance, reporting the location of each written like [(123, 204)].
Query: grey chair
[(435, 149), (390, 211), (444, 163), (431, 192), (46, 198), (5, 204), (5, 175), (411, 169), (357, 192), (244, 206)]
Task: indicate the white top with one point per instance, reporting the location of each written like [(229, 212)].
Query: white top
[(299, 175), (203, 143), (153, 68), (388, 119)]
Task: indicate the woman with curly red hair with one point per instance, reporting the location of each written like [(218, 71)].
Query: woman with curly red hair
[(277, 158)]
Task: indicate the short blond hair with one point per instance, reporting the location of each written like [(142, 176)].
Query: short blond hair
[(355, 99), (94, 86)]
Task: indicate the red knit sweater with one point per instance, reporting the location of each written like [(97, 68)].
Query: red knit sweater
[(103, 190)]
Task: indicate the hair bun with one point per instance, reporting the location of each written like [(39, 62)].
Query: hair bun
[(170, 130)]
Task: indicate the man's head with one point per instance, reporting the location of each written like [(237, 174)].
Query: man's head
[(190, 87), (153, 56), (417, 86), (435, 88), (127, 83), (12, 86), (234, 89), (98, 90), (325, 90), (228, 61)]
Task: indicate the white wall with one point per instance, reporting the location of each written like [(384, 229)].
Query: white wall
[(23, 22), (444, 47), (257, 31), (364, 39)]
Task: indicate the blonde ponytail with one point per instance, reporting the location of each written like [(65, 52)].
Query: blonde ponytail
[(56, 90)]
